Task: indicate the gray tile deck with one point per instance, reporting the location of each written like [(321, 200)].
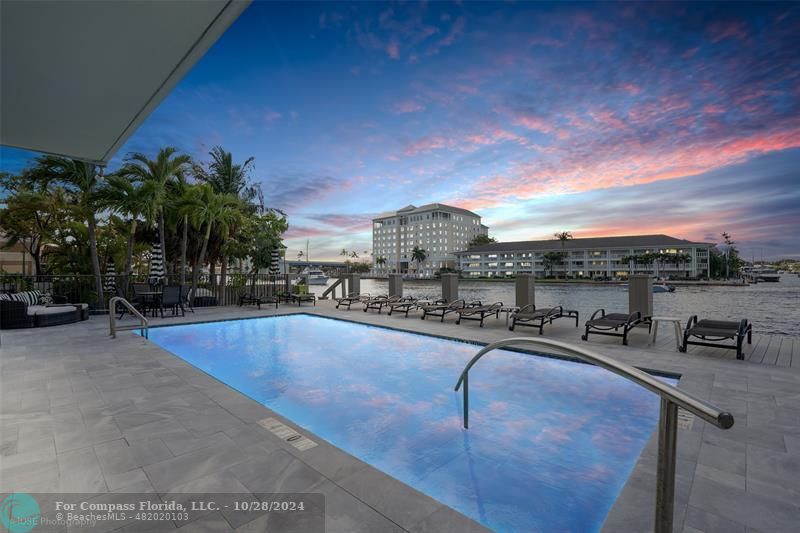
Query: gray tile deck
[(81, 412)]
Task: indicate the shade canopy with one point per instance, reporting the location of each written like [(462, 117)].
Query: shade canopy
[(79, 77)]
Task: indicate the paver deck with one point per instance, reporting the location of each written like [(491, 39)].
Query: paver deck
[(81, 412)]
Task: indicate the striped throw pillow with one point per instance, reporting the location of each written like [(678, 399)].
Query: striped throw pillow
[(27, 297)]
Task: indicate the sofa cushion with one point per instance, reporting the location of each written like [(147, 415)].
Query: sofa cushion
[(42, 310)]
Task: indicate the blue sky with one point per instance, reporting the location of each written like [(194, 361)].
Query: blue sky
[(594, 118)]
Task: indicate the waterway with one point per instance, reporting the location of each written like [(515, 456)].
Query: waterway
[(771, 307)]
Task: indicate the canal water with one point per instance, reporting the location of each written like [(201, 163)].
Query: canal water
[(771, 307)]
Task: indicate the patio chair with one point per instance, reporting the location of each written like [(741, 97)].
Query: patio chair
[(138, 301), (171, 299), (404, 305), (609, 324), (713, 332), (537, 318), (441, 310), (380, 302), (352, 298), (479, 312), (186, 297)]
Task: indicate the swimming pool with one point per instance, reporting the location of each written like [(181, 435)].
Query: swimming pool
[(550, 445)]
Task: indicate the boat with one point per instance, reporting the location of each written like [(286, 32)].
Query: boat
[(761, 273), (663, 287), (659, 287), (314, 276)]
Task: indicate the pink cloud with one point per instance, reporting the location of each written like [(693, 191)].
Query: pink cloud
[(393, 49), (407, 106), (720, 30), (713, 109), (532, 122), (271, 116), (426, 144)]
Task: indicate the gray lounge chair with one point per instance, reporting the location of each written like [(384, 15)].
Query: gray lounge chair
[(352, 298), (405, 305), (441, 310), (712, 332), (479, 312), (529, 315), (380, 302), (609, 324)]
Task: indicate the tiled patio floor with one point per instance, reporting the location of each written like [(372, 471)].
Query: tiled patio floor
[(81, 412)]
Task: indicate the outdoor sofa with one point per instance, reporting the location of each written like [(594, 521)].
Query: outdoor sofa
[(31, 309), (530, 316), (712, 333), (610, 323)]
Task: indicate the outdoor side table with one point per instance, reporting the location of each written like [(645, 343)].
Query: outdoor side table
[(676, 324), (508, 309)]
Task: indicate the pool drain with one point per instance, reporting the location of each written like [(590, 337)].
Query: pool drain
[(281, 430)]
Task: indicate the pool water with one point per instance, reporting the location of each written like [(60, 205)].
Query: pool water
[(550, 445)]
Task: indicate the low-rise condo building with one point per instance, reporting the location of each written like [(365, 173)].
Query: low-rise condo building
[(600, 257), (440, 230)]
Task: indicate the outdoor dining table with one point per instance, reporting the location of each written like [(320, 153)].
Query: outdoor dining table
[(152, 300)]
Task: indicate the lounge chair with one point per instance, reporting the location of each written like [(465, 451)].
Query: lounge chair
[(711, 332), (479, 312), (537, 318), (441, 310), (609, 324), (352, 298), (380, 302), (252, 299), (405, 305)]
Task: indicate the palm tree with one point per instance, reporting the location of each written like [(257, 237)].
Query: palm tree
[(227, 177), (82, 181), (167, 167), (419, 255), (563, 236), (124, 197), (300, 255), (380, 261), (207, 210)]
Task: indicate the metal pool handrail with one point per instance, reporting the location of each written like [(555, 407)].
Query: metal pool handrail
[(671, 399), (112, 322)]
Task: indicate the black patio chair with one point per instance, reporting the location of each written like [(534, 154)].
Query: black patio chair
[(609, 324), (171, 299), (713, 332), (479, 312), (530, 316)]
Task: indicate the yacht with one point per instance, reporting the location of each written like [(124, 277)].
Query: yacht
[(314, 276), (761, 273)]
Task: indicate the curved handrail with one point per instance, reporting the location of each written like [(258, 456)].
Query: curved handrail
[(112, 306), (701, 408)]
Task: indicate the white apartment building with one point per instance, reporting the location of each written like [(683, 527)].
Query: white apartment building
[(440, 230), (586, 258)]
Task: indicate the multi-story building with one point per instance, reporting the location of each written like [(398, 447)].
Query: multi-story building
[(606, 257), (438, 229)]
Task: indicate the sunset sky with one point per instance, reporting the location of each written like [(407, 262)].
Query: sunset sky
[(600, 119)]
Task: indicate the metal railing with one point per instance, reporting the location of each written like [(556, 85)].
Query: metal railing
[(211, 290), (112, 320), (332, 289), (671, 399)]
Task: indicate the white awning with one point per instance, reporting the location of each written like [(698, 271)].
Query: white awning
[(78, 77)]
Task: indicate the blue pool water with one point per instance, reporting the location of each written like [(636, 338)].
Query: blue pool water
[(550, 444)]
